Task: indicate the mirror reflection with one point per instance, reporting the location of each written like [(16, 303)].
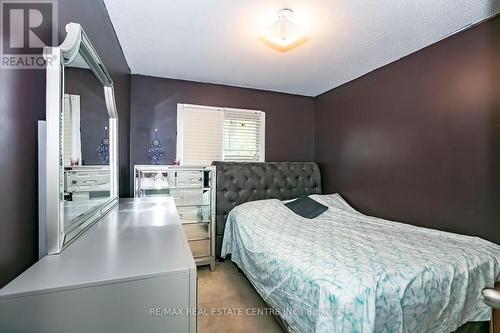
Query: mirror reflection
[(85, 144)]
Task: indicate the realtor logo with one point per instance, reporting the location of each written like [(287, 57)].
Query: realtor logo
[(26, 28)]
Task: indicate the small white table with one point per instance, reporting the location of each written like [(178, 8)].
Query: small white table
[(125, 274)]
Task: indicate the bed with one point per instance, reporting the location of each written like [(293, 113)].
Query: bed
[(344, 271)]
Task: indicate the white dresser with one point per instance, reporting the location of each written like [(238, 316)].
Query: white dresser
[(130, 272)]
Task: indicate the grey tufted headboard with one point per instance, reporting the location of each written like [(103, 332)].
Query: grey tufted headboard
[(238, 183)]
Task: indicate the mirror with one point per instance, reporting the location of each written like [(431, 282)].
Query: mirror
[(85, 143), (81, 179)]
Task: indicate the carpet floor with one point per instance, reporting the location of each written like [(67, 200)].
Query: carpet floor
[(227, 302)]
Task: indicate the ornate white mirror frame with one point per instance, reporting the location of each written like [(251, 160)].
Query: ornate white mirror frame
[(76, 43)]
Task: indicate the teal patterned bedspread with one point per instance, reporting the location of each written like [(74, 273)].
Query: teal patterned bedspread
[(348, 272)]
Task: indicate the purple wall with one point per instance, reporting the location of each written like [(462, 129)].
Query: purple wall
[(22, 103), (419, 140), (289, 118)]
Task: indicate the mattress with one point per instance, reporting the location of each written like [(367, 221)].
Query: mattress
[(348, 272)]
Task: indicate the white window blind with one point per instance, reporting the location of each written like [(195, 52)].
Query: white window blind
[(71, 133), (206, 134), (199, 134)]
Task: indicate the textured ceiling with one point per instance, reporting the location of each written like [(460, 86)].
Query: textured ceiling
[(217, 41)]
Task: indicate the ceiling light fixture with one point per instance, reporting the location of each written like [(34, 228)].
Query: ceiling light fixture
[(284, 35)]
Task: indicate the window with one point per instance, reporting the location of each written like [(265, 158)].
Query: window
[(243, 135), (206, 134)]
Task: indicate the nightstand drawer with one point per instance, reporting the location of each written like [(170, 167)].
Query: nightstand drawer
[(194, 214), (191, 179), (155, 180), (200, 248), (190, 197), (197, 231)]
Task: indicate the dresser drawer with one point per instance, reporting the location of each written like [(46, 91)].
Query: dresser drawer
[(200, 248), (197, 231), (192, 179)]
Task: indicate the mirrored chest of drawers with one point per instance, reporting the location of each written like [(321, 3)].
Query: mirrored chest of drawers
[(193, 191)]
